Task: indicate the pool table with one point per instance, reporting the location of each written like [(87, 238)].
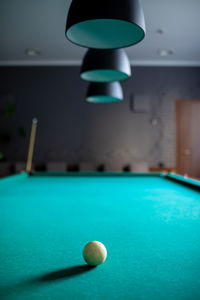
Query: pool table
[(149, 223)]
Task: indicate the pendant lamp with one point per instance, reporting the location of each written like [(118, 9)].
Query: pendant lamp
[(105, 24), (105, 65), (104, 92)]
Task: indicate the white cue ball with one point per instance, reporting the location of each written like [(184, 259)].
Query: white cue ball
[(94, 253)]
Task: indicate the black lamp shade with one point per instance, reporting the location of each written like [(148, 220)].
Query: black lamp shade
[(105, 24), (105, 66), (104, 92)]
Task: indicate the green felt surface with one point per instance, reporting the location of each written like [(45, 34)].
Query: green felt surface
[(149, 224), (184, 179)]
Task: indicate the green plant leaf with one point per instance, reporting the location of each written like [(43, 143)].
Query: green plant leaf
[(9, 109)]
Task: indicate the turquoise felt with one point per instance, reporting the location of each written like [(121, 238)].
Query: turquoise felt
[(149, 224), (184, 179)]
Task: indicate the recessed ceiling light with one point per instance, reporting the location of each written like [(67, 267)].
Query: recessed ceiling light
[(165, 52), (32, 52), (160, 31)]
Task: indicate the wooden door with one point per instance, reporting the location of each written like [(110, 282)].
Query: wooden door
[(188, 137)]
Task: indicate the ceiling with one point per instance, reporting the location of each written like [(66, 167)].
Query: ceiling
[(40, 24)]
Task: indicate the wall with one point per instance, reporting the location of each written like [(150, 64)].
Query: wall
[(72, 130)]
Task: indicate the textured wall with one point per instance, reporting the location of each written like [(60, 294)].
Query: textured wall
[(72, 130)]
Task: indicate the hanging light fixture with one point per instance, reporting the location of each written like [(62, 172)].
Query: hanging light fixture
[(104, 92), (105, 24), (105, 65)]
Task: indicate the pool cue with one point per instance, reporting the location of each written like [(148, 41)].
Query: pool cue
[(31, 146)]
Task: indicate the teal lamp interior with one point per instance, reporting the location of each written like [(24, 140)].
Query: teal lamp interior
[(105, 24), (105, 65), (104, 92)]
